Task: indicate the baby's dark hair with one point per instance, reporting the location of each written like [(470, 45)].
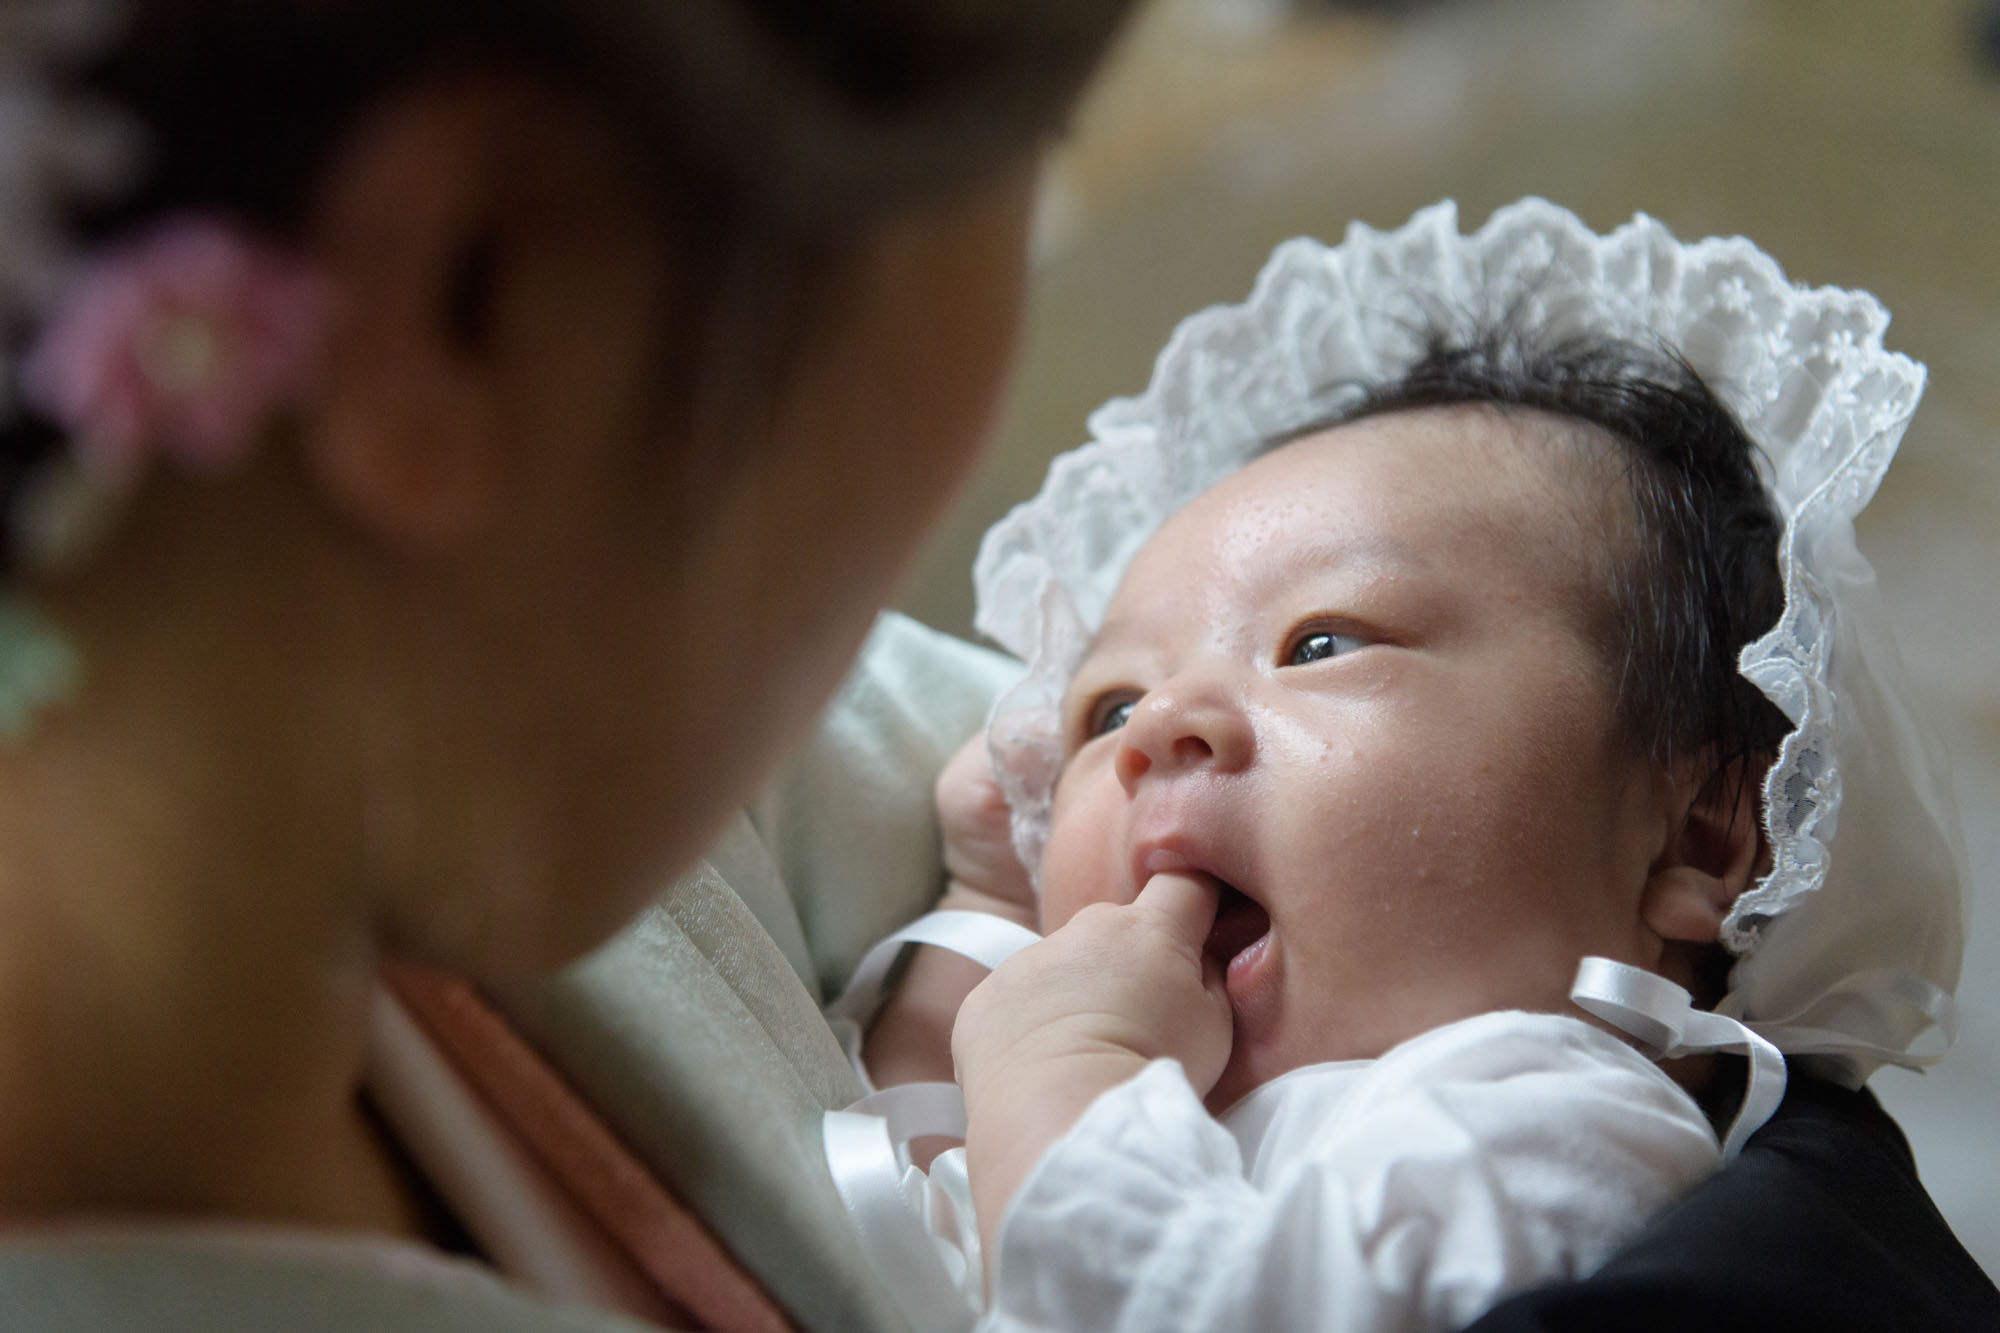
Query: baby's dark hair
[(1703, 578)]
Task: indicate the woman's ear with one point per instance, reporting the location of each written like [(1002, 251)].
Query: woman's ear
[(406, 435), (1710, 857)]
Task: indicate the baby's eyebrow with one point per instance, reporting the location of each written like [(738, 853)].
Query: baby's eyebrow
[(1369, 559), (1108, 632), (1118, 634), (1373, 557)]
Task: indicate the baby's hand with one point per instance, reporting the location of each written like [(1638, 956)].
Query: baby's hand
[(1127, 981), (978, 831), (1079, 1013)]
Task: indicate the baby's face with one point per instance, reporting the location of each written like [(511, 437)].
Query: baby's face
[(1362, 683)]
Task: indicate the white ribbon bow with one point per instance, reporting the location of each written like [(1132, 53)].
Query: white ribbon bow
[(1660, 1016)]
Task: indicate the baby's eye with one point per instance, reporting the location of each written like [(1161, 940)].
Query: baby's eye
[(1320, 644), (1110, 715)]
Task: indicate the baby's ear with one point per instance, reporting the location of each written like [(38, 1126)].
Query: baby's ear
[(1710, 857)]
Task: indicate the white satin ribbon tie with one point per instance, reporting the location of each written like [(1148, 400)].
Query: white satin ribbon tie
[(867, 1143), (1661, 1018)]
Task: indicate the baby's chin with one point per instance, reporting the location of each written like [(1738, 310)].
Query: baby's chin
[(1242, 1076), (1252, 1065), (1226, 1093)]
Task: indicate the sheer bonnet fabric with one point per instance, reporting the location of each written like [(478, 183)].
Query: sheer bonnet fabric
[(1843, 961)]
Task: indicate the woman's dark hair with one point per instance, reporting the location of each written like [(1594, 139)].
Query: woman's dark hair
[(775, 129), (1702, 577), (799, 112)]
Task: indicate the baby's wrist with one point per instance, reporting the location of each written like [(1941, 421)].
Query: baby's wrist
[(1015, 1112), (961, 896), (1052, 1065), (1035, 1101)]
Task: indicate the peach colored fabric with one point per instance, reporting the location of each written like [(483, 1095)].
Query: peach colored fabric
[(664, 1241), (526, 1224)]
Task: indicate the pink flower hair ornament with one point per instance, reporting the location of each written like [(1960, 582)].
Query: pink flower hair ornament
[(182, 342)]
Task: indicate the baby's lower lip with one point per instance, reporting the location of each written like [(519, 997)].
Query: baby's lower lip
[(1240, 940), (1245, 963), (1244, 975)]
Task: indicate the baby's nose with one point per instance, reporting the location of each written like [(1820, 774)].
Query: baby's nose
[(1187, 722)]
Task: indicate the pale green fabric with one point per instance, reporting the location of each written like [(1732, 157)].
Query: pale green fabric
[(850, 822), (695, 1041), (697, 1032)]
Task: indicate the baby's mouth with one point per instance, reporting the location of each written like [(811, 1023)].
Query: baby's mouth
[(1239, 923)]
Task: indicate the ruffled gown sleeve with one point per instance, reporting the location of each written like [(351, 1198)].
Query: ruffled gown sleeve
[(1411, 1192)]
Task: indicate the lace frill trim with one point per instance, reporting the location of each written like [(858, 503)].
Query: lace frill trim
[(1804, 369)]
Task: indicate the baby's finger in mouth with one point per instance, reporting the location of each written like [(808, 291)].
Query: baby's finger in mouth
[(1185, 900)]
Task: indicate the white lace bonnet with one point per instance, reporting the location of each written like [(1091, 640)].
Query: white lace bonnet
[(1843, 962)]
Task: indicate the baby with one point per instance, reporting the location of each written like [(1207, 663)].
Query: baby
[(1378, 739), (1361, 753)]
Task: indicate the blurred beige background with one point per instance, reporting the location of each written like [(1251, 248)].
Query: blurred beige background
[(1859, 142)]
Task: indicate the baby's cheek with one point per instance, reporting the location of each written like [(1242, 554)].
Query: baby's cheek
[(1081, 863), (1076, 872), (1063, 894)]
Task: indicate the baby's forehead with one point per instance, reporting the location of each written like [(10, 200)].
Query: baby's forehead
[(1487, 452), (1431, 484), (1467, 502)]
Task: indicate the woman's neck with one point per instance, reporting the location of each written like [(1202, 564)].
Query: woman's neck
[(186, 953), (162, 1053)]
